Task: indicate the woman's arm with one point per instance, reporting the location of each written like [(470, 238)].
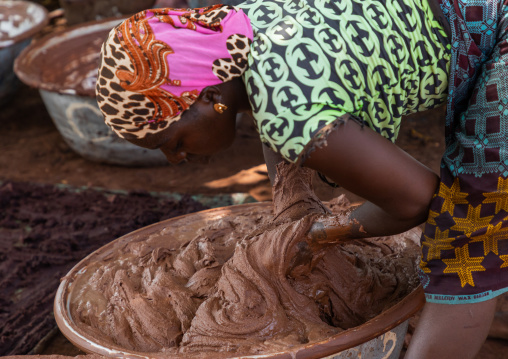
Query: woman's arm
[(397, 188)]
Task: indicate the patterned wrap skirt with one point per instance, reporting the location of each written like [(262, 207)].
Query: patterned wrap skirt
[(465, 240)]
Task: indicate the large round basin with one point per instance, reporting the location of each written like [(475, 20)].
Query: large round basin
[(380, 337), (63, 66)]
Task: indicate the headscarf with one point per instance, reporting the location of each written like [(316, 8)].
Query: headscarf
[(155, 64)]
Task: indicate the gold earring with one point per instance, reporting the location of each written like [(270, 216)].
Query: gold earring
[(220, 108)]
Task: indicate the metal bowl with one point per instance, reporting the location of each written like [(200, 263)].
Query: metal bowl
[(380, 337), (19, 21), (64, 66)]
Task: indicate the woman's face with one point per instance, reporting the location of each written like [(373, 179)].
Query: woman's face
[(200, 133)]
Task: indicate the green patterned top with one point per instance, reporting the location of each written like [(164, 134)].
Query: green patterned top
[(313, 61)]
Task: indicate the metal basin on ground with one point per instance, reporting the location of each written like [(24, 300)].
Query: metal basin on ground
[(380, 338), (63, 66), (19, 21)]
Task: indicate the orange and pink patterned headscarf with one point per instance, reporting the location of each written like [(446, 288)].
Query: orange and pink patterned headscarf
[(155, 64)]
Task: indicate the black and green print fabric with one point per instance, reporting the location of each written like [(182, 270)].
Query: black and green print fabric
[(312, 61)]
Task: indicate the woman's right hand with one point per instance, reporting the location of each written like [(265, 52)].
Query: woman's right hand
[(331, 229)]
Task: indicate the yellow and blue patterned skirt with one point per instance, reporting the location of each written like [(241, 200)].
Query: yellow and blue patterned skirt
[(465, 241)]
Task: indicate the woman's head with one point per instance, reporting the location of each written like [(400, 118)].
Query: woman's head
[(156, 64), (204, 129)]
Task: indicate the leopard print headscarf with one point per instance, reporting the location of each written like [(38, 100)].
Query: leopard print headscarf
[(155, 64)]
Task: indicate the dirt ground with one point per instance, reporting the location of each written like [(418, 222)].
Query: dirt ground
[(45, 230), (34, 152)]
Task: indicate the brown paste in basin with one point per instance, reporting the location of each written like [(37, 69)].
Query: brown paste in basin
[(235, 287)]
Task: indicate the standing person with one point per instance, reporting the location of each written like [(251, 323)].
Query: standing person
[(328, 83)]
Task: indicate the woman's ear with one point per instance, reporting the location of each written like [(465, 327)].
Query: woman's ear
[(211, 94)]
